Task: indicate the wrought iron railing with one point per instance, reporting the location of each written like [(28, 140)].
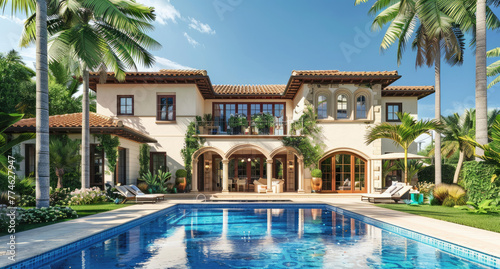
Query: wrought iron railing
[(231, 126)]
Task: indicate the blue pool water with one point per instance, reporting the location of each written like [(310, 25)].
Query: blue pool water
[(258, 237)]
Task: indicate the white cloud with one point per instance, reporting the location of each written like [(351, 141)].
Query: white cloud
[(164, 63), (191, 41), (200, 27), (13, 19), (164, 10)]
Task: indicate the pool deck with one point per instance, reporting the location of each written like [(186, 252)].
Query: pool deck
[(37, 241)]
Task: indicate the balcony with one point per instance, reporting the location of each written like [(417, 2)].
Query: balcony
[(245, 127)]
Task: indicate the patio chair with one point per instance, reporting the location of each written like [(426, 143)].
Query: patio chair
[(241, 183), (260, 186), (129, 196), (137, 192), (395, 193), (277, 185)]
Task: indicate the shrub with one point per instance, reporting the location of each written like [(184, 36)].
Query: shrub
[(316, 173), (180, 173), (427, 174), (476, 179), (449, 202), (59, 197), (5, 219), (88, 196), (425, 188), (27, 200), (4, 199), (444, 192), (46, 214), (484, 207), (156, 183)]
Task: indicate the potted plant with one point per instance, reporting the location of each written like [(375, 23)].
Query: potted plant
[(180, 179), (263, 122), (316, 180), (236, 122), (208, 122)]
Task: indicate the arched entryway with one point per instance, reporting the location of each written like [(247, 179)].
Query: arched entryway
[(344, 172)]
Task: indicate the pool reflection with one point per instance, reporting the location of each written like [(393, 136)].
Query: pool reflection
[(259, 238)]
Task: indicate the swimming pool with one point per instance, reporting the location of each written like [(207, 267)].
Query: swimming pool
[(263, 236)]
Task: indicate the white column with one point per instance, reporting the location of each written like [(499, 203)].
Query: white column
[(225, 175), (301, 176), (269, 176), (194, 176)]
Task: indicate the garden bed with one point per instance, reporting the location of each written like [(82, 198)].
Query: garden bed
[(82, 210), (490, 222)]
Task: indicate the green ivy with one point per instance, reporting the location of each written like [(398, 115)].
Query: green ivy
[(110, 146), (476, 179), (191, 145), (143, 159)]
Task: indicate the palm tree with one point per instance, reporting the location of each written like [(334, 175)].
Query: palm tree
[(494, 68), (456, 127), (42, 94), (101, 35), (64, 156), (435, 31), (403, 134), (481, 80)]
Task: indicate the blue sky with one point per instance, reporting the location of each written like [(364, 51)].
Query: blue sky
[(262, 41)]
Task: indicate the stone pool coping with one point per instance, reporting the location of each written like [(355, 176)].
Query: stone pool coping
[(40, 240)]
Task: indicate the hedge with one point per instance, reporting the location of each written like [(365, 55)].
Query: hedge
[(428, 174), (476, 179)]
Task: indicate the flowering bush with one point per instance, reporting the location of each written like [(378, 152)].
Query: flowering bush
[(60, 197), (93, 195), (46, 214)]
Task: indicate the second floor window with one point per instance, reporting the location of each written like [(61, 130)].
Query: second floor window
[(165, 108), (125, 105), (391, 111), (361, 107), (322, 107), (342, 107)]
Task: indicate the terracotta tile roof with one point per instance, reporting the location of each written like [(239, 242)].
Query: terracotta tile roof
[(163, 72), (249, 89), (98, 123), (338, 73), (419, 91)]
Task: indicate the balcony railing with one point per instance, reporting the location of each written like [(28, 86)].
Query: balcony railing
[(277, 127)]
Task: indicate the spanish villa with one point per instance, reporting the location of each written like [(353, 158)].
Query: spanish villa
[(156, 108)]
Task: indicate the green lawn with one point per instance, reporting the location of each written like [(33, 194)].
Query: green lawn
[(82, 210), (490, 222)]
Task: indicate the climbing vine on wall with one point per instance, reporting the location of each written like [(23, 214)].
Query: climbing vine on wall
[(191, 144), (110, 146)]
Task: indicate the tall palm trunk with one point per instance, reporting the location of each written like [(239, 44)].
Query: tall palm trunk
[(437, 110), (481, 94), (59, 174), (406, 165), (85, 129), (42, 173), (461, 158)]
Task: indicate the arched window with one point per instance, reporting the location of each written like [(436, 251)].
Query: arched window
[(361, 107), (343, 172), (322, 106), (342, 107)]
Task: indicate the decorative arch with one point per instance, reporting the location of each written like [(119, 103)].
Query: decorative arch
[(348, 107), (344, 170), (202, 150), (327, 102), (286, 148), (368, 103), (235, 148)]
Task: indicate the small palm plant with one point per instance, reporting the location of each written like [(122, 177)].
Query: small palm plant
[(64, 156), (403, 134)]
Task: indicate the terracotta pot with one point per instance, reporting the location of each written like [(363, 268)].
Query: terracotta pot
[(316, 184), (182, 185)]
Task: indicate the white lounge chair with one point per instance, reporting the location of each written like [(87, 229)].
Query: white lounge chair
[(260, 186), (136, 191), (129, 196), (277, 185), (394, 192)]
